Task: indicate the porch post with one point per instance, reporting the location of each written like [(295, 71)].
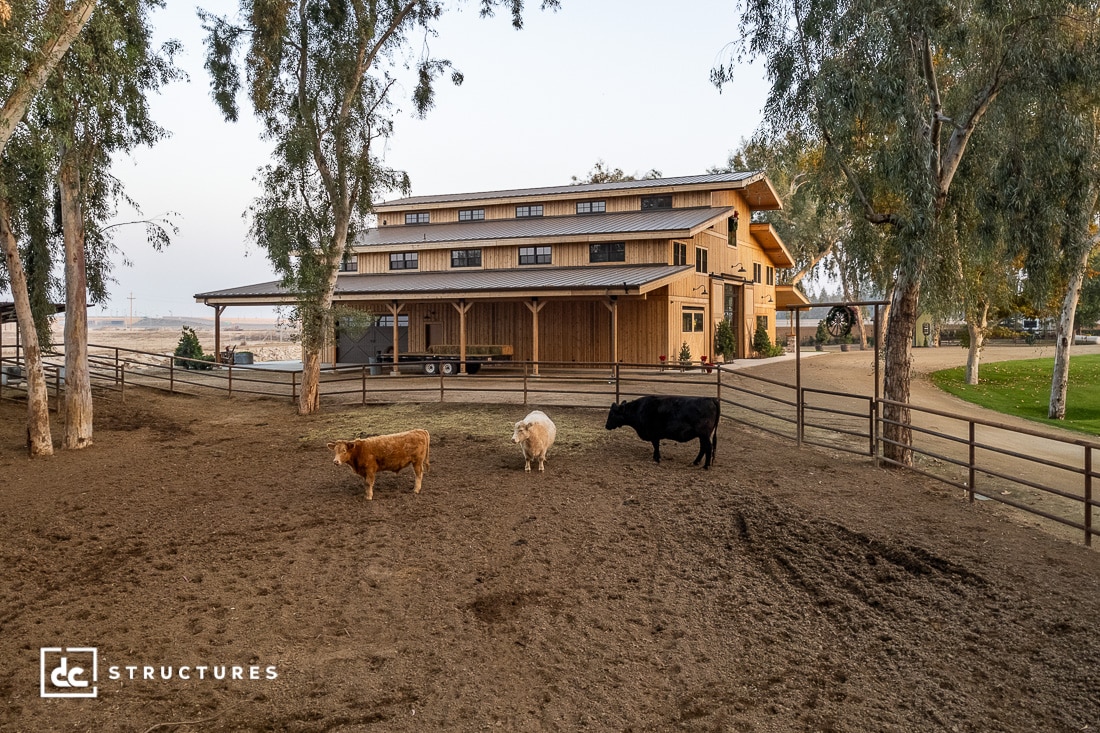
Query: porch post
[(218, 309), (463, 308), (395, 309), (535, 306), (612, 305)]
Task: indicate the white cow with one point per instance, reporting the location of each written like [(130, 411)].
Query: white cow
[(535, 434)]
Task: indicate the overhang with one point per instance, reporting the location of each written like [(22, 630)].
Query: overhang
[(613, 227), (533, 282), (770, 242), (789, 296)]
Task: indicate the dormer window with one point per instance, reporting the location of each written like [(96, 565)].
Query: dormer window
[(591, 207), (418, 217), (656, 202)]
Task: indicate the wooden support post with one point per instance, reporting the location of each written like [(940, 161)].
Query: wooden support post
[(395, 309), (463, 308), (218, 310), (535, 306), (612, 304)]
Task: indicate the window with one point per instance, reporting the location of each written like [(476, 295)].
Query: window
[(756, 272), (771, 275), (656, 202), (679, 253), (465, 258), (731, 230), (534, 255), (404, 261), (591, 207), (350, 263), (693, 320), (471, 214), (525, 211), (607, 252), (387, 321), (701, 260), (418, 217)]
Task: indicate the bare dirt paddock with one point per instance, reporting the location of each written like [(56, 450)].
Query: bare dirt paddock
[(783, 590)]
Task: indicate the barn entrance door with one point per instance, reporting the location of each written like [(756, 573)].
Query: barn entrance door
[(356, 345), (731, 311)]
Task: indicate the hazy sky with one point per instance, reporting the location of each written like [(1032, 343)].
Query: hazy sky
[(622, 80)]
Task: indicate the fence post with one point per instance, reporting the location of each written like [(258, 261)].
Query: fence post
[(871, 427), (116, 365), (364, 400), (1088, 496), (294, 387), (525, 383), (122, 385), (441, 388), (171, 376), (230, 392), (57, 389), (616, 382), (876, 406), (972, 474)]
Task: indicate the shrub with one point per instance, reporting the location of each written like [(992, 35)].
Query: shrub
[(762, 343), (822, 334), (190, 348), (725, 343), (685, 352)]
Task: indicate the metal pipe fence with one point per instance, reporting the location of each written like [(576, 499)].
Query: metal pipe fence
[(1051, 477)]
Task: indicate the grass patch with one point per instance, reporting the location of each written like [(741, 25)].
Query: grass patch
[(1022, 388)]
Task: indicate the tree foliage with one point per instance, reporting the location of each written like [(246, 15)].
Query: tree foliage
[(602, 173)]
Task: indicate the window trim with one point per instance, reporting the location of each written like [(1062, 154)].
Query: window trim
[(535, 257), (405, 258), (471, 214), (466, 257), (529, 210), (697, 316), (757, 273), (592, 207), (418, 217), (701, 257), (679, 253)]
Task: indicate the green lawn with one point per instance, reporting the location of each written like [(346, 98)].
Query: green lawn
[(1023, 388)]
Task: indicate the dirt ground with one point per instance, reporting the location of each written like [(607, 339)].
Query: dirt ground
[(783, 590)]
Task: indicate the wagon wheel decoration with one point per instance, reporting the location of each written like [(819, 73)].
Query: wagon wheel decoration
[(839, 320)]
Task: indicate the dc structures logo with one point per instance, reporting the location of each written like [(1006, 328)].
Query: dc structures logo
[(68, 671)]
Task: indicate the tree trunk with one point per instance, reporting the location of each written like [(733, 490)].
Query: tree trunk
[(35, 77), (896, 433), (39, 440), (309, 399), (78, 384), (316, 333), (975, 327), (1059, 381)]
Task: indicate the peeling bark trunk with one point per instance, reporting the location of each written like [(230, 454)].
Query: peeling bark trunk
[(78, 384), (975, 327), (39, 440), (315, 335), (1059, 381), (896, 433)]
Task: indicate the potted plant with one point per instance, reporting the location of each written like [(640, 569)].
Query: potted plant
[(709, 366), (725, 342), (821, 336), (685, 355), (845, 343), (663, 358)]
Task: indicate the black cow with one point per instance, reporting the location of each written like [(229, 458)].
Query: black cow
[(658, 417)]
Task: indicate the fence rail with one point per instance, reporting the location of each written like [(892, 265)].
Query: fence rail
[(1051, 477)]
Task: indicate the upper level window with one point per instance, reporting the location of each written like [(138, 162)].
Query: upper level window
[(591, 207), (404, 261), (771, 275), (471, 214), (679, 253), (607, 252), (756, 272), (532, 210), (465, 258), (534, 255), (350, 263), (418, 217), (701, 260), (657, 202), (731, 230)]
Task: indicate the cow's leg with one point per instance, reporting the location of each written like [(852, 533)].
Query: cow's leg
[(370, 485), (542, 461), (418, 469), (526, 460), (657, 451), (704, 444)]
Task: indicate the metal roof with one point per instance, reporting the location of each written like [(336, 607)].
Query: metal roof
[(546, 281), (583, 227), (704, 180)]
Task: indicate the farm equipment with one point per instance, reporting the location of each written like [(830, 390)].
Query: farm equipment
[(444, 358)]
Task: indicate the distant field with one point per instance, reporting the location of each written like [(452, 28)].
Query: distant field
[(1022, 388)]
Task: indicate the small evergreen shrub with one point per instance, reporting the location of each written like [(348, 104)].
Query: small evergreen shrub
[(190, 348), (762, 343), (725, 343)]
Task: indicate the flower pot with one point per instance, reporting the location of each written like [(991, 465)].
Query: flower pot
[(845, 347)]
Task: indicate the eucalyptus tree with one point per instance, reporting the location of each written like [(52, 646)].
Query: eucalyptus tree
[(896, 89), (95, 106), (34, 36), (321, 76), (601, 173)]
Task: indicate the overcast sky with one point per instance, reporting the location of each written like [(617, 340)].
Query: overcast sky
[(622, 80)]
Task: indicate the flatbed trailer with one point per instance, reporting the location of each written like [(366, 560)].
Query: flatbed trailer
[(445, 359)]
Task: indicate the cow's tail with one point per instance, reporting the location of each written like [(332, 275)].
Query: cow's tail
[(714, 435), (427, 452)]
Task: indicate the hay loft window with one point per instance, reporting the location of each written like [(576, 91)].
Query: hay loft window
[(756, 272), (693, 320), (701, 260), (404, 261), (679, 253), (471, 214), (523, 212), (465, 258), (350, 263), (591, 207), (607, 252), (418, 217), (656, 202), (534, 255)]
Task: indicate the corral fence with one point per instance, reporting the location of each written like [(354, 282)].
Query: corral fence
[(1041, 472)]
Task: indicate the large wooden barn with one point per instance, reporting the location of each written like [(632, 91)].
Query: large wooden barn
[(592, 273)]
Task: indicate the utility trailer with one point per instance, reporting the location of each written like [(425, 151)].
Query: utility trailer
[(444, 359)]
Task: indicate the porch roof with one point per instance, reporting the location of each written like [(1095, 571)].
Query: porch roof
[(474, 284)]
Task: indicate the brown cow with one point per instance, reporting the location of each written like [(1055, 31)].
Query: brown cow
[(368, 456)]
